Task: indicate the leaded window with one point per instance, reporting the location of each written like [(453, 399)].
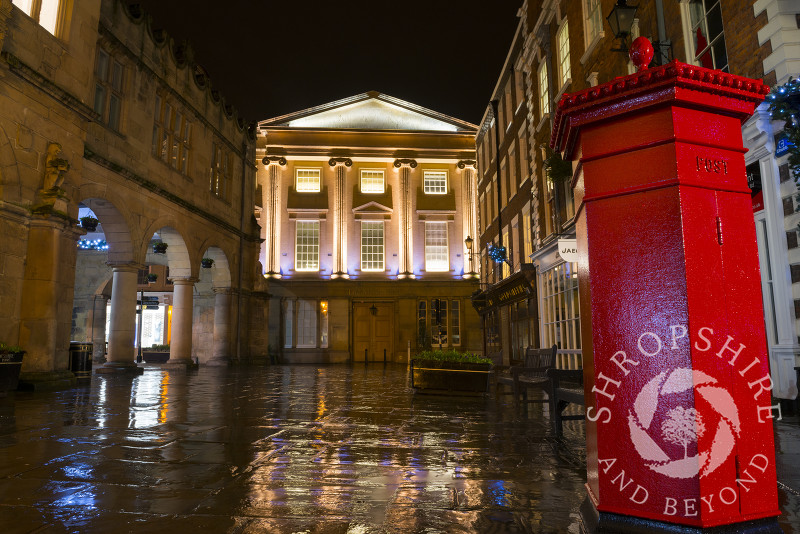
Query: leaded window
[(172, 135), (109, 74)]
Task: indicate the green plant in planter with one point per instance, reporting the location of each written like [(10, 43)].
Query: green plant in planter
[(159, 247), (451, 355), (89, 223), (159, 348), (10, 349), (206, 263), (152, 278)]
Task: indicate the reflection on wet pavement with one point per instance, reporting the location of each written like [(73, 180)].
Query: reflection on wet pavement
[(298, 449)]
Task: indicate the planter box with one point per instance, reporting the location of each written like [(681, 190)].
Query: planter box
[(449, 378), (10, 366), (150, 356)]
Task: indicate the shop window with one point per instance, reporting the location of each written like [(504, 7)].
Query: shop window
[(435, 182), (372, 182), (307, 319), (307, 180), (372, 248), (560, 317), (441, 326), (109, 76), (306, 251), (436, 256), (306, 323), (288, 320)]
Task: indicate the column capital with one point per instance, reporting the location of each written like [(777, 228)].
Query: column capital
[(184, 281), (221, 290), (467, 163), (347, 162), (125, 266), (272, 160), (405, 162)]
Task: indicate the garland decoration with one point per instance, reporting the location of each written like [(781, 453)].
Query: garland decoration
[(784, 105)]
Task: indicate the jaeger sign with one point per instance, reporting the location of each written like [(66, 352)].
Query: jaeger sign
[(678, 408)]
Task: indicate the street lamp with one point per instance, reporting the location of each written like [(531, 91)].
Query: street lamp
[(468, 243), (621, 21)]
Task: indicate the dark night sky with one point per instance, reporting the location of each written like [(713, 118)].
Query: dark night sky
[(269, 58)]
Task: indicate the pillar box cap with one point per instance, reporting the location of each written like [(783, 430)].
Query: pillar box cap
[(675, 83)]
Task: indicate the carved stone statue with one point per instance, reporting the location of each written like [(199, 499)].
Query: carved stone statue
[(55, 167)]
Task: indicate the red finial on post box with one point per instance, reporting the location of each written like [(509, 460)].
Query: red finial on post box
[(641, 53)]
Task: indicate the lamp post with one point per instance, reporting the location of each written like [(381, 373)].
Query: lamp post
[(468, 243), (621, 21)]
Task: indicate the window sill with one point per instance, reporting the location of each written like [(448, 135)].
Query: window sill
[(563, 89), (545, 118), (589, 49)]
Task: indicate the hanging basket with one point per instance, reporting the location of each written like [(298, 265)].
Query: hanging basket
[(89, 223), (152, 278), (206, 263), (160, 247)]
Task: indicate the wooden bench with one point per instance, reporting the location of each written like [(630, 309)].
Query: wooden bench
[(566, 387), (533, 373)]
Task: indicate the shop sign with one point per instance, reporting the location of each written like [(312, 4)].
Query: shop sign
[(754, 183), (568, 249), (782, 146)]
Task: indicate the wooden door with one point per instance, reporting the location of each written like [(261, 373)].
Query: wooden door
[(373, 325)]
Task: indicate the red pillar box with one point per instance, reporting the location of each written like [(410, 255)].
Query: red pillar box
[(679, 415)]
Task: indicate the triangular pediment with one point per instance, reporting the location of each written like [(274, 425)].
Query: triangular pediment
[(371, 111), (372, 207)]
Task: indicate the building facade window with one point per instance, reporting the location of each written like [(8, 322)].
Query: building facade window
[(372, 248), (306, 255), (527, 237), (562, 38), (544, 91), (442, 326), (594, 20), (436, 257), (221, 172), (172, 135), (560, 308), (307, 180), (47, 13), (305, 323), (435, 182), (109, 77), (509, 254), (706, 42), (372, 181)]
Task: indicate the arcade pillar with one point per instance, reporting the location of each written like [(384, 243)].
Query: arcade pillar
[(122, 321), (180, 354), (221, 351), (679, 418)]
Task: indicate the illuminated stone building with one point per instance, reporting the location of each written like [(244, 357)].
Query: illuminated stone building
[(365, 205), (101, 114)]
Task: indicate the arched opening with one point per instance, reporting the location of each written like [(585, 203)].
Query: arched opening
[(212, 313)]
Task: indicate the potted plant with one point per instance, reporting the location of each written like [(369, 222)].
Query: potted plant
[(156, 354), (10, 365), (159, 247), (450, 372), (152, 278), (89, 223), (206, 263)]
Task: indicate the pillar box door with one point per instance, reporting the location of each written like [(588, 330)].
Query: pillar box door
[(679, 415)]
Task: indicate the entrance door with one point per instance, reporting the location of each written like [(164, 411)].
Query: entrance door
[(372, 331)]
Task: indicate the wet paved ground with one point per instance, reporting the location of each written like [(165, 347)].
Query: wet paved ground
[(329, 450)]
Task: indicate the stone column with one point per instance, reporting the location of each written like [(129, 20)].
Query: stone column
[(468, 210), (406, 248), (271, 205), (180, 353), (99, 329), (220, 354), (340, 217), (121, 335)]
